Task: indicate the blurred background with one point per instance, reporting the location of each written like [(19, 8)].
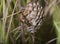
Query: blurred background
[(10, 31)]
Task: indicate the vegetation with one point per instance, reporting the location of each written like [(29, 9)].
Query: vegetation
[(11, 33)]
